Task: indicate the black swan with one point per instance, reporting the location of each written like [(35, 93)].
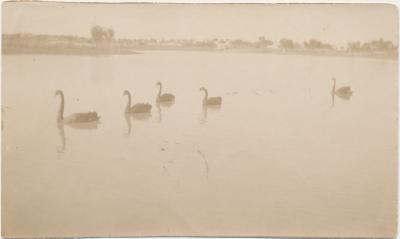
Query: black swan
[(137, 108), (212, 100), (343, 92), (86, 117), (164, 97)]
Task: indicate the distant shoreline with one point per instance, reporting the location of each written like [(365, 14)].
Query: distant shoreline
[(123, 51), (330, 54), (103, 42), (371, 55), (65, 51)]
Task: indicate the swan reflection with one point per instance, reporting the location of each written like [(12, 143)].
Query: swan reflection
[(141, 116), (61, 132), (211, 108), (128, 123), (135, 116), (84, 126), (75, 126), (161, 105)]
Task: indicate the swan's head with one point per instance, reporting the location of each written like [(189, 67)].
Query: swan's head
[(58, 92), (202, 88), (158, 83), (126, 92), (334, 79)]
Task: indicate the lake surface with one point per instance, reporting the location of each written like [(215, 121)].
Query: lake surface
[(275, 160)]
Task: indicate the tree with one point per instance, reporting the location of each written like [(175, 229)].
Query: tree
[(110, 34), (372, 46), (287, 44), (315, 44), (354, 46), (97, 34), (100, 34), (263, 43), (241, 44)]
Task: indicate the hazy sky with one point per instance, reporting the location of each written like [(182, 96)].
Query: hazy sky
[(333, 23)]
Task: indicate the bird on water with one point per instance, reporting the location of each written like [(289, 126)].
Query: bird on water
[(343, 92), (166, 97), (137, 108), (76, 118), (212, 100)]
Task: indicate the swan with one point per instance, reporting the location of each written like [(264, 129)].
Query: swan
[(343, 92), (164, 97), (137, 108), (212, 100), (86, 117)]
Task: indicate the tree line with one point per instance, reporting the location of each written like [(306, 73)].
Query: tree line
[(102, 37)]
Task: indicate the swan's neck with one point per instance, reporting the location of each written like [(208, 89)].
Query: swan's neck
[(205, 95), (60, 115), (159, 91), (128, 105)]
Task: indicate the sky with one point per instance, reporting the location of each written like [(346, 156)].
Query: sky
[(331, 23)]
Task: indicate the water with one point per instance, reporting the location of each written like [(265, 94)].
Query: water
[(275, 159)]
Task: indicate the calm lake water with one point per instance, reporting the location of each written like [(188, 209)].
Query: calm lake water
[(275, 159)]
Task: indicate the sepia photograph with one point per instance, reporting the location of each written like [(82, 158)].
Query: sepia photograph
[(199, 119)]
